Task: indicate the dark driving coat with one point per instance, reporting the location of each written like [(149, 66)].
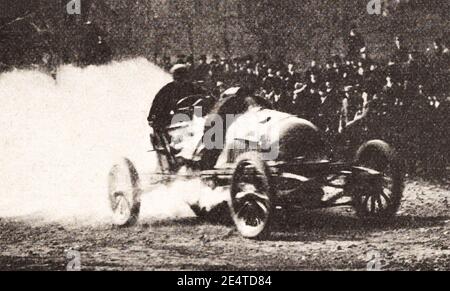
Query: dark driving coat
[(166, 100)]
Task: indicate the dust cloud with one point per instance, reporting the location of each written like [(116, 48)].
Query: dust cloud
[(60, 138)]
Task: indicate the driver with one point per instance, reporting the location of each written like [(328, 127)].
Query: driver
[(160, 116)]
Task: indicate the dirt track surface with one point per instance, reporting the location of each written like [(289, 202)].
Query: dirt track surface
[(419, 239)]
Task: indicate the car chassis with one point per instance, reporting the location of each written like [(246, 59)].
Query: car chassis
[(372, 184)]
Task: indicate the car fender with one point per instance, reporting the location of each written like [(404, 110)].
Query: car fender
[(375, 146)]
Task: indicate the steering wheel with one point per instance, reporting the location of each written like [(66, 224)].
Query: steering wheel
[(187, 104)]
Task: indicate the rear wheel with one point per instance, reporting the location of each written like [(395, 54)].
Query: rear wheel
[(377, 197), (251, 197), (124, 194)]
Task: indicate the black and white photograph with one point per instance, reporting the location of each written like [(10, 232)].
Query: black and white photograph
[(244, 136)]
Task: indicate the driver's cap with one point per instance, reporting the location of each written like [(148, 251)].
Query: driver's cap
[(178, 68)]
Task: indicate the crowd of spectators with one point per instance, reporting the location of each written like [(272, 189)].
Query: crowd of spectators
[(404, 100)]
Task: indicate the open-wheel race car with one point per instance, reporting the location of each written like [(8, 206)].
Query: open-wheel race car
[(267, 160)]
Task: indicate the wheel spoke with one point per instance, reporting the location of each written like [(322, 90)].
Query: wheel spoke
[(238, 213), (386, 197), (366, 200), (262, 206), (118, 200), (380, 203), (122, 208), (372, 205)]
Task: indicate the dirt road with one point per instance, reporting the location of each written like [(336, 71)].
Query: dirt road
[(419, 239)]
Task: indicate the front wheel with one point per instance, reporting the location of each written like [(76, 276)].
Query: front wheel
[(124, 194), (251, 197)]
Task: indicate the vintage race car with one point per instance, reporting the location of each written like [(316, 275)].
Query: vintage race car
[(268, 161)]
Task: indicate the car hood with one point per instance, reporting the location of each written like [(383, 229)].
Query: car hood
[(277, 135)]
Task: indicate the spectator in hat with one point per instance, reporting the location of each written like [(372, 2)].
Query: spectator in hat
[(202, 69), (400, 51), (181, 60)]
